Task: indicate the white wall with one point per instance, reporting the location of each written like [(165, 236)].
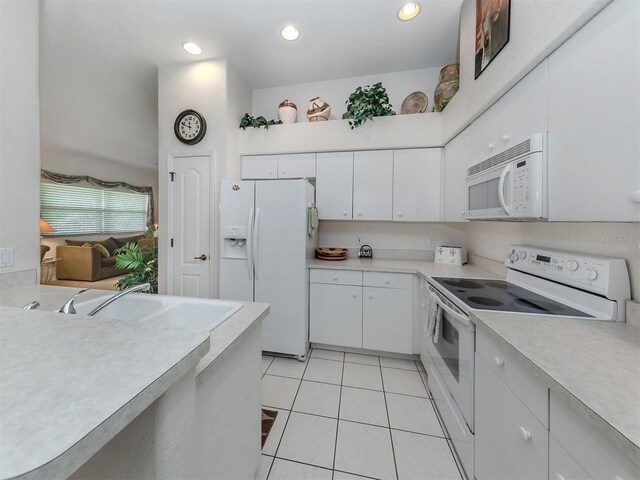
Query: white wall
[(389, 235), (620, 240), (336, 92), (19, 133), (538, 27), (239, 98)]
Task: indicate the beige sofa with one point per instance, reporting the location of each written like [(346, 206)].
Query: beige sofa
[(86, 263)]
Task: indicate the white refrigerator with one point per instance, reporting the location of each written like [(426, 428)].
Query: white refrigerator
[(264, 250)]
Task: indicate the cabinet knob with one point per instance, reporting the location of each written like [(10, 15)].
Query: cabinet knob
[(399, 214), (490, 146), (284, 173), (635, 196), (371, 295), (559, 477), (525, 434), (505, 137), (354, 294), (359, 214), (344, 213), (335, 277), (498, 361), (387, 281)]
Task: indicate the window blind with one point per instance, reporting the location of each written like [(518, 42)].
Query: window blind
[(73, 209)]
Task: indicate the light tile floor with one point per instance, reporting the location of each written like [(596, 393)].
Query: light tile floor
[(348, 416)]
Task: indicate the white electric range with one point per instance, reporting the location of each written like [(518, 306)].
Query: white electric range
[(539, 281)]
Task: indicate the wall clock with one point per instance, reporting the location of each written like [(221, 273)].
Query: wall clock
[(190, 127)]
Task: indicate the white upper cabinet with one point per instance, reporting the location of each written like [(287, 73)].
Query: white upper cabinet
[(334, 185), (517, 116), (372, 185), (594, 107), (297, 165), (457, 158), (523, 110), (260, 167), (417, 185)]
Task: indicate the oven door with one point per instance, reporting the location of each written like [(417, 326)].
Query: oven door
[(452, 357), (488, 194)]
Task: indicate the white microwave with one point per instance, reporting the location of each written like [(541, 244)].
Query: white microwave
[(511, 185)]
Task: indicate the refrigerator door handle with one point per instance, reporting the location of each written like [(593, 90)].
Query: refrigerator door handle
[(250, 244), (255, 242)]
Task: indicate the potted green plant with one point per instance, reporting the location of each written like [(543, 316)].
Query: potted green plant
[(367, 102), (256, 122), (141, 261)]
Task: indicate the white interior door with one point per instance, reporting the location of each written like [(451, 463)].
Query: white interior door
[(191, 262)]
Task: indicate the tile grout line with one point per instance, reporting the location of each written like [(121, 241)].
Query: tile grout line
[(386, 407), (284, 429), (335, 446)]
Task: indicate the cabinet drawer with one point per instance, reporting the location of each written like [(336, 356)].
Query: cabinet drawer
[(338, 277), (389, 280), (297, 165), (562, 466), (531, 391), (510, 443), (597, 456)]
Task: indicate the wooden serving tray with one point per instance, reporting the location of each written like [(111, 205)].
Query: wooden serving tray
[(332, 251)]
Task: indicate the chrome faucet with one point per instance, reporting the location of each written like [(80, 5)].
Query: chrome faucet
[(68, 306), (32, 305), (110, 300)]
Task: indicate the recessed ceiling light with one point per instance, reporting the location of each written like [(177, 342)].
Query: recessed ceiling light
[(192, 48), (409, 11), (290, 33)]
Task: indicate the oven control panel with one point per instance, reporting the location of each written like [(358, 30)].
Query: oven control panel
[(589, 272)]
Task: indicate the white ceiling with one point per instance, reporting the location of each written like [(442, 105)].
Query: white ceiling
[(106, 52)]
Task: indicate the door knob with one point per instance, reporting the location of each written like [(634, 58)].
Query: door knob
[(201, 257)]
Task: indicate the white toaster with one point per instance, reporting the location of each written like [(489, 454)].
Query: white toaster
[(451, 255)]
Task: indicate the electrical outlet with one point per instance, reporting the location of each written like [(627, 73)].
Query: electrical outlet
[(431, 242), (358, 239), (6, 257)]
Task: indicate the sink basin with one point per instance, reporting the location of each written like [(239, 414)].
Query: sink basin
[(165, 310)]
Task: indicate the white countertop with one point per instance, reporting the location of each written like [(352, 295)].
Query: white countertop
[(416, 267), (70, 383), (593, 365)]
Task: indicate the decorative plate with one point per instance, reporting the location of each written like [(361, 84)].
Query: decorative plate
[(415, 102)]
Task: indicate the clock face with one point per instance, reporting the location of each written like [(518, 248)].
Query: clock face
[(190, 127)]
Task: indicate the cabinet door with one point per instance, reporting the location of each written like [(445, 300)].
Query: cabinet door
[(562, 466), (485, 134), (593, 140), (416, 185), (259, 167), (510, 442), (334, 185), (335, 315), (387, 319), (457, 158), (297, 165), (372, 185), (524, 108)]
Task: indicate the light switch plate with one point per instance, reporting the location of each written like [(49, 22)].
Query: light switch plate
[(6, 257)]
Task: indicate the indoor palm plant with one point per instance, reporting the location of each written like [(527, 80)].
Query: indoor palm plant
[(367, 102), (141, 261)]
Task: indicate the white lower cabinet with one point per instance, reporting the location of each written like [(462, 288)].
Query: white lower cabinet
[(562, 466), (335, 314), (510, 442), (387, 319), (374, 311)]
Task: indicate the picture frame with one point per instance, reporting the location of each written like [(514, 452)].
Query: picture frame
[(493, 25)]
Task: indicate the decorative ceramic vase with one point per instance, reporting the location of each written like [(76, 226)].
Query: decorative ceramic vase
[(287, 112), (319, 111), (448, 86)]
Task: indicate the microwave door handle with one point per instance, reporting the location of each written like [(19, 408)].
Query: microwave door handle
[(503, 203)]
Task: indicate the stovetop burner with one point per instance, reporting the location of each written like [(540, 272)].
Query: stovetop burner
[(503, 296), (462, 283)]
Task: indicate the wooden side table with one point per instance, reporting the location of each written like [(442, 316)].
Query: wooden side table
[(48, 270)]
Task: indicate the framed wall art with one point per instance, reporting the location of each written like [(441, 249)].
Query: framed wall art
[(492, 30)]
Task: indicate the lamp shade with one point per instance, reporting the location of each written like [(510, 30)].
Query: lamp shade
[(45, 227)]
